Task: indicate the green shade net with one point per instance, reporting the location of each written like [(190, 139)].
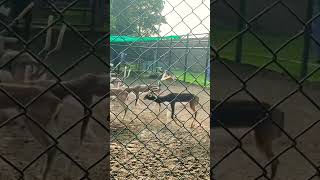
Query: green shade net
[(115, 39)]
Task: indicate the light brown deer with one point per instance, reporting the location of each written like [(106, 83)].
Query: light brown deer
[(84, 87), (43, 111), (122, 95), (119, 82), (167, 76), (141, 89)]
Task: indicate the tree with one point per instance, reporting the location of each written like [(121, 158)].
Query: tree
[(136, 17)]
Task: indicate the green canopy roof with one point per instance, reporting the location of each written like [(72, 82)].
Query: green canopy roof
[(114, 39)]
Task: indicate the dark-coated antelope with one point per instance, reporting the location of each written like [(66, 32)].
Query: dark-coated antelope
[(242, 113), (173, 98)]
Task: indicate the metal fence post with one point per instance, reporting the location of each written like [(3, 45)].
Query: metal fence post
[(239, 45), (93, 13), (186, 59), (170, 55), (157, 54), (207, 62), (306, 48)]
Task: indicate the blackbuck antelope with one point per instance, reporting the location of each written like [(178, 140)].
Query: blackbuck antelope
[(173, 98), (84, 87), (241, 113), (43, 111)]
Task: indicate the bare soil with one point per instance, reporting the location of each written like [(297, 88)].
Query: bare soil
[(147, 144), (20, 148)]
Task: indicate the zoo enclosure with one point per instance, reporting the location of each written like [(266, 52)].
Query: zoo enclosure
[(144, 143), (185, 56)]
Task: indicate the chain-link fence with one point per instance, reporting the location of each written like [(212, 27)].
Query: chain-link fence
[(263, 96), (155, 66), (53, 94)]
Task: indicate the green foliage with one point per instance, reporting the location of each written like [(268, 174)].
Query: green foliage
[(136, 17)]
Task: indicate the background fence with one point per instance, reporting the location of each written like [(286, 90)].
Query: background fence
[(187, 58), (260, 52), (301, 56), (147, 143)]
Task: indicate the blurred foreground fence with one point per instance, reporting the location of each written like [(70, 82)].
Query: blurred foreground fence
[(44, 136), (253, 80)]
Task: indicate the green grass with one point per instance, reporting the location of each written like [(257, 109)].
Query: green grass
[(256, 54), (193, 78)]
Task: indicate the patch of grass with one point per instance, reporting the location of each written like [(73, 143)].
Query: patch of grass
[(192, 77), (255, 53)]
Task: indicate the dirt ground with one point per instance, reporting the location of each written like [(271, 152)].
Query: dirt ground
[(300, 113), (19, 147), (148, 145)]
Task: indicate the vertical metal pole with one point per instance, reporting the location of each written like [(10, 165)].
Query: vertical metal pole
[(306, 48), (93, 14), (157, 54), (186, 59), (316, 29), (170, 55), (239, 45), (207, 63)]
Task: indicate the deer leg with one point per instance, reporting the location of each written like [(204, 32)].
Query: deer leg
[(137, 97), (172, 112), (42, 138), (264, 144), (85, 121), (193, 108), (123, 104), (84, 127)]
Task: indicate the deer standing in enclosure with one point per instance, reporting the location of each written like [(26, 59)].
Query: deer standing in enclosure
[(123, 91), (142, 88), (84, 88), (43, 111), (241, 113), (173, 98)]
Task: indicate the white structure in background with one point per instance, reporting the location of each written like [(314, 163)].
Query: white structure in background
[(4, 10), (122, 56)]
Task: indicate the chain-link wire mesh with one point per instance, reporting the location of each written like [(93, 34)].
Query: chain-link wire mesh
[(249, 90), (49, 88), (146, 142)]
